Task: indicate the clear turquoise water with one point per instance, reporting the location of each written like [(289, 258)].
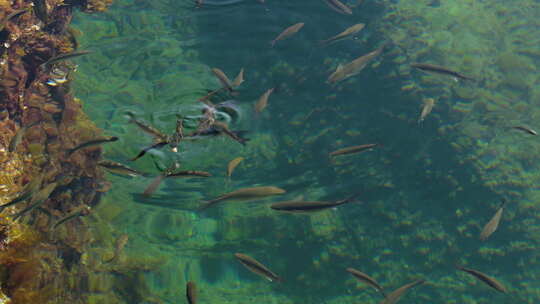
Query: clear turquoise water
[(421, 208)]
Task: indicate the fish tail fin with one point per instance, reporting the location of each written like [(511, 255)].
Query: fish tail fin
[(272, 43), (350, 199)]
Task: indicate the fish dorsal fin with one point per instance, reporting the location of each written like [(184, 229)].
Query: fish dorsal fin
[(339, 68)]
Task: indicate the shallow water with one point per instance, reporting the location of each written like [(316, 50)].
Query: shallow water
[(421, 207)]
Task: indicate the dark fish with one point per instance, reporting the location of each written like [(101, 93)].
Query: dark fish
[(256, 267), (38, 199), (362, 277), (353, 149), (493, 223), (525, 129), (14, 14), (305, 207), (26, 193), (168, 173), (65, 56), (118, 247), (93, 142), (158, 136), (439, 70), (79, 211), (484, 278), (223, 128), (41, 11), (339, 7), (189, 173), (291, 30), (119, 168), (245, 194), (395, 295), (16, 140), (191, 293), (154, 146)]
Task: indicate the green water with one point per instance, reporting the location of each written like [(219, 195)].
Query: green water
[(423, 201)]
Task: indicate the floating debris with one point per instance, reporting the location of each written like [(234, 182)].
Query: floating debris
[(339, 7), (245, 194), (353, 149), (439, 70), (395, 295), (256, 267), (493, 223), (492, 282), (288, 32), (362, 277), (91, 143), (308, 207), (191, 292), (345, 34), (233, 164)]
